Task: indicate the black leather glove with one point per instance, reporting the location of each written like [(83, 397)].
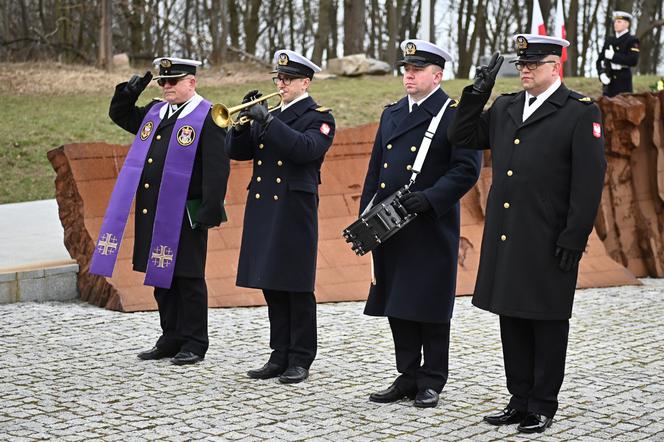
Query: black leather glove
[(259, 113), (485, 76), (415, 202), (569, 259), (137, 84), (251, 96)]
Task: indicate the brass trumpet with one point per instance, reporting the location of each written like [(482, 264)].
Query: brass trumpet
[(223, 116)]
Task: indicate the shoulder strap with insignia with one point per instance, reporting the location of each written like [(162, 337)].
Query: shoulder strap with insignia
[(323, 109), (391, 104), (509, 94), (582, 98), (157, 99), (454, 103)]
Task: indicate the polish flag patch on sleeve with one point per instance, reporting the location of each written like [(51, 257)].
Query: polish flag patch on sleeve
[(597, 130), (325, 129)]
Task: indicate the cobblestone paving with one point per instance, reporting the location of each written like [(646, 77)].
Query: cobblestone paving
[(68, 371)]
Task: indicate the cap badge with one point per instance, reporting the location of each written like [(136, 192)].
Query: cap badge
[(411, 48), (165, 63), (521, 42), (283, 59)]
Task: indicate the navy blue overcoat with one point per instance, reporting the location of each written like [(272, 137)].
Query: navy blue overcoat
[(415, 270), (280, 233)]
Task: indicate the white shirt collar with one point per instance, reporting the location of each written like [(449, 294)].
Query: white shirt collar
[(419, 103), (189, 106), (528, 109), (620, 34), (300, 98)]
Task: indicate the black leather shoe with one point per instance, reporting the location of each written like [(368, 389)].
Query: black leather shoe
[(294, 375), (426, 399), (506, 417), (392, 393), (534, 423), (186, 357), (155, 353), (267, 371)]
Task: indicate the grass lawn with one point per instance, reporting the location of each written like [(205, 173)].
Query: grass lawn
[(35, 123)]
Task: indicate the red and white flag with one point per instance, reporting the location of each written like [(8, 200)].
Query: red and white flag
[(559, 31), (537, 26)]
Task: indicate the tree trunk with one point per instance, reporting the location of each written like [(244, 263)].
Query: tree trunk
[(354, 26), (334, 31), (571, 67), (323, 32), (105, 57), (649, 11), (251, 26), (392, 31)]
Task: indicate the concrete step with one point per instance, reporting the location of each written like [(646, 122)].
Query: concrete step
[(41, 281), (34, 263)]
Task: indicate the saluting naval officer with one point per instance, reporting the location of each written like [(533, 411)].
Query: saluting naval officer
[(177, 157), (415, 270), (280, 233), (618, 56), (547, 151)]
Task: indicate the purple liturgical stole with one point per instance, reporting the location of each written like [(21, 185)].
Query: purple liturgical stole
[(170, 204)]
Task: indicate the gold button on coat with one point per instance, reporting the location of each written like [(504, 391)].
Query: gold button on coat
[(145, 211), (506, 205), (413, 148), (517, 141), (280, 163), (150, 160), (409, 167), (276, 197), (258, 179), (382, 185), (503, 237), (258, 195), (510, 173), (278, 180), (385, 166), (389, 146), (158, 137), (260, 146), (259, 162), (146, 185)]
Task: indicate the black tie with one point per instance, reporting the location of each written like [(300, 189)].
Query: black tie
[(531, 100), (415, 106)]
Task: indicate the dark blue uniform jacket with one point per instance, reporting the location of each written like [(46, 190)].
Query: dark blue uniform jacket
[(280, 233), (415, 271)]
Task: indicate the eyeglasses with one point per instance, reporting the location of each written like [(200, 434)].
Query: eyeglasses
[(531, 65), (172, 81), (285, 80)]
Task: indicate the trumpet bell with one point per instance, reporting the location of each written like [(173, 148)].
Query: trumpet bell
[(223, 116)]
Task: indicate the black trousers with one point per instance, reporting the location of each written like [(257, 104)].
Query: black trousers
[(534, 353), (412, 340), (183, 310), (293, 338)]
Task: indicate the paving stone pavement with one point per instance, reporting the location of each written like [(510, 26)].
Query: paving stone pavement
[(68, 371)]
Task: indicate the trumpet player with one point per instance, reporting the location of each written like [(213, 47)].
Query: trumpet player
[(279, 239)]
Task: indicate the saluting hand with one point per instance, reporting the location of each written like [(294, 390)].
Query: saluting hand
[(485, 76), (137, 84), (568, 258)]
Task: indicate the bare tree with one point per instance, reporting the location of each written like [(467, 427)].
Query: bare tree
[(354, 26)]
